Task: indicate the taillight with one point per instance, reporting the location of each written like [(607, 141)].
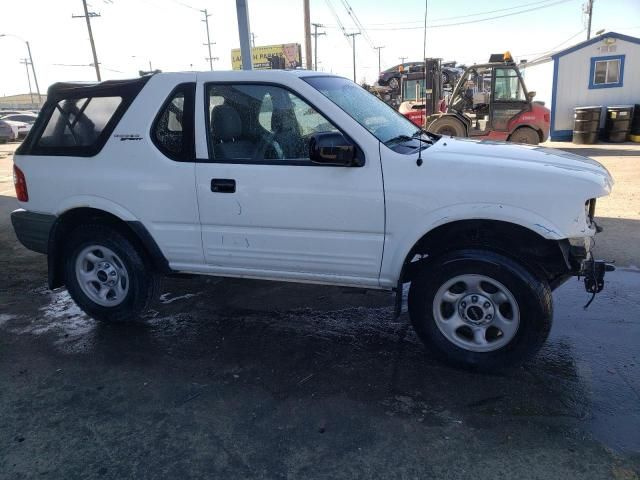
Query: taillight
[(21, 185)]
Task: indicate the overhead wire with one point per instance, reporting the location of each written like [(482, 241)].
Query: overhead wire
[(444, 25)]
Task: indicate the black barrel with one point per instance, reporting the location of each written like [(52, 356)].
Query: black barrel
[(634, 134), (586, 124), (618, 123)]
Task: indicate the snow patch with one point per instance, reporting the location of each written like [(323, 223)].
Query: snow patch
[(164, 298)]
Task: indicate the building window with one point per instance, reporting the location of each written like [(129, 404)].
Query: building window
[(606, 72)]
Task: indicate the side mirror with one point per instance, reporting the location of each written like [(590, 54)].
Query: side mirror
[(530, 95), (332, 148)]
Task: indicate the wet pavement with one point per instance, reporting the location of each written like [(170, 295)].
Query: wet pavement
[(248, 379)]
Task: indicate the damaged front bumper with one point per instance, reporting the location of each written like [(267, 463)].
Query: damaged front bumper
[(583, 265)]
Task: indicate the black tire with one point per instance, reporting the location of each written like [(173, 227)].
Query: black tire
[(533, 297), (526, 135), (446, 78), (448, 126), (143, 281)]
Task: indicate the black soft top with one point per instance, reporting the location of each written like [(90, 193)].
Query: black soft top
[(124, 88)]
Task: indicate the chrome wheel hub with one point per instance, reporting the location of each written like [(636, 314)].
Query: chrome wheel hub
[(102, 275), (476, 309), (476, 313)]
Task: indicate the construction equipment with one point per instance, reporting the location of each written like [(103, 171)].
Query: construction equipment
[(421, 93), (491, 101)]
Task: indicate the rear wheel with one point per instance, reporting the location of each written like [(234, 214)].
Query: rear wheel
[(448, 126), (479, 309), (525, 135), (107, 274)]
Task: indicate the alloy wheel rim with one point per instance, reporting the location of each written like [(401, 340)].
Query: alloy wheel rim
[(476, 313)]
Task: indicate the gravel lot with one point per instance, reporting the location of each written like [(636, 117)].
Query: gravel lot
[(248, 379)]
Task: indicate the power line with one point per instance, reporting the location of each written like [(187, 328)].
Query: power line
[(335, 15), (464, 16), (357, 22), (552, 49), (473, 21), (178, 2)]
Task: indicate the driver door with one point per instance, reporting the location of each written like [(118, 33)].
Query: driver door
[(266, 210), (509, 98)]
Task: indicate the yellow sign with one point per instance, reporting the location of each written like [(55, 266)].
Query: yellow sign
[(267, 57)]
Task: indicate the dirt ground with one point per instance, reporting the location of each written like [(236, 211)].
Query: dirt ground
[(240, 379)]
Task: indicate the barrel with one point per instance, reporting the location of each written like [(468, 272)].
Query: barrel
[(618, 123), (586, 124), (634, 134)]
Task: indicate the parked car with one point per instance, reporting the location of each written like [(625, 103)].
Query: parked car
[(278, 175), (20, 129), (24, 117), (391, 76), (6, 132)]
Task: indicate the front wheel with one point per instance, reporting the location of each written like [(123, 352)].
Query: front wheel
[(447, 125), (107, 274), (525, 135), (480, 309)]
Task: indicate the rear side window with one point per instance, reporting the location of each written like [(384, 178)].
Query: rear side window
[(78, 122), (172, 131)]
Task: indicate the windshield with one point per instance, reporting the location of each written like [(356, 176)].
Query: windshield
[(380, 119)]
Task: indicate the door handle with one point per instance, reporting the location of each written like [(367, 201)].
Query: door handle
[(223, 185)]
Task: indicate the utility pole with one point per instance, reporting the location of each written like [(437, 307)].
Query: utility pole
[(315, 43), (378, 49), (244, 31), (402, 59), (26, 66), (307, 34), (589, 11), (33, 69), (353, 43), (208, 44), (88, 16)]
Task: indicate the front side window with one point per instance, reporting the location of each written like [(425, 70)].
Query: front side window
[(386, 124), (607, 72), (508, 87), (260, 123), (78, 122)]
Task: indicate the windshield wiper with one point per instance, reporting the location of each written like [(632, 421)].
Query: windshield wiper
[(399, 138), (421, 132)]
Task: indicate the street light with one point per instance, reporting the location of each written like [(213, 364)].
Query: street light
[(33, 68)]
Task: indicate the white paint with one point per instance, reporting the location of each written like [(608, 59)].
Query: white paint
[(311, 224)]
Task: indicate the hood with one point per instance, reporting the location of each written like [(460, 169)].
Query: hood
[(535, 156)]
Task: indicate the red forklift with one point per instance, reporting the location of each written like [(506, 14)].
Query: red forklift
[(491, 101), (421, 93)]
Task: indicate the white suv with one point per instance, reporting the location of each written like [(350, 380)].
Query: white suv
[(303, 177)]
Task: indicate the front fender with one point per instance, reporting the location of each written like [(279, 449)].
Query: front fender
[(399, 244)]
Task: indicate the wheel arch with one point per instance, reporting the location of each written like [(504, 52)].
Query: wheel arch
[(543, 256), (69, 219)]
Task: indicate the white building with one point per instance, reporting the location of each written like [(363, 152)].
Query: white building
[(602, 71)]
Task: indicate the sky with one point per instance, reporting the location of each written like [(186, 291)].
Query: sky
[(171, 34)]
